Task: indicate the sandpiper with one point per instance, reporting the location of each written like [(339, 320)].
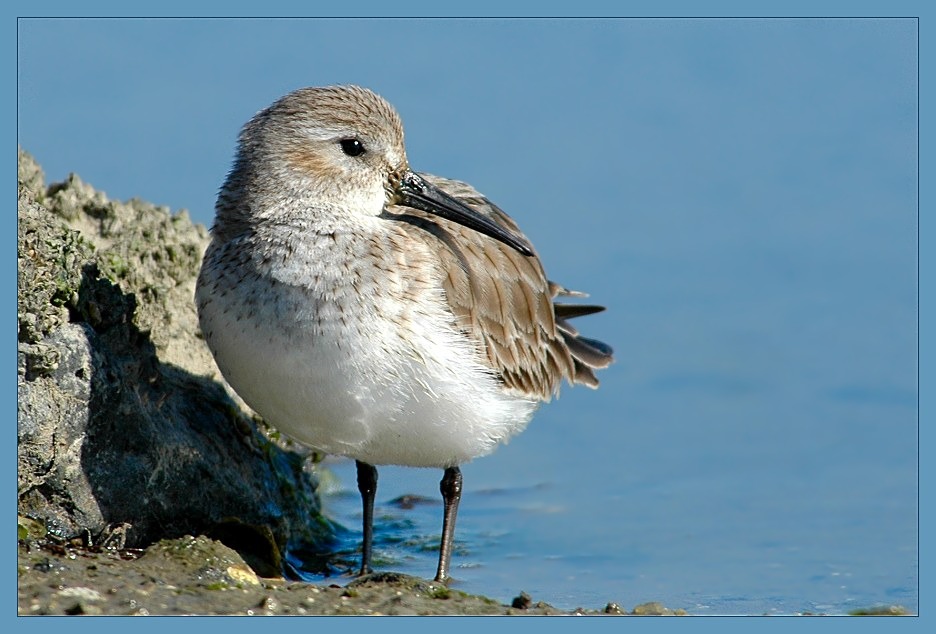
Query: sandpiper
[(370, 311)]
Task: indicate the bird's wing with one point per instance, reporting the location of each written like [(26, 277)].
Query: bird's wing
[(503, 300)]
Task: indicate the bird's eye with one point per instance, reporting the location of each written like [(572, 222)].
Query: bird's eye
[(352, 147)]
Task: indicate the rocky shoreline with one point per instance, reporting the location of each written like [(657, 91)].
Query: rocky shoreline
[(198, 575)]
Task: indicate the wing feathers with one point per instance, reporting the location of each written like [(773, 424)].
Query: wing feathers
[(503, 300)]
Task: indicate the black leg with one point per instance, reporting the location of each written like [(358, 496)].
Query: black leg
[(451, 487), (367, 485)]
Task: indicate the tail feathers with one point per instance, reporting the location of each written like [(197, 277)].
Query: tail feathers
[(587, 354)]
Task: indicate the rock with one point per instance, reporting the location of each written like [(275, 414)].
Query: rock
[(654, 608), (126, 431), (522, 602)]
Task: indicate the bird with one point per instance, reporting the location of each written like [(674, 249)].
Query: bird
[(374, 312)]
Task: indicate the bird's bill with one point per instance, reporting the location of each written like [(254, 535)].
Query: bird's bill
[(418, 193)]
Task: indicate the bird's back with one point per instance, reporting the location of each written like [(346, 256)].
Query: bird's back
[(503, 300)]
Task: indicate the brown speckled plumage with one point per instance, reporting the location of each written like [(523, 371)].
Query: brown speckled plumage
[(503, 299)]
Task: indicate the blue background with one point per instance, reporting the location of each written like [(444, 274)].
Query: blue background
[(741, 194)]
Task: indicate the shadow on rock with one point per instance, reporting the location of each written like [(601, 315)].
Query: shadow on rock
[(122, 449)]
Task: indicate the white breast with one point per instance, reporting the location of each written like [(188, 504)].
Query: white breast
[(354, 364)]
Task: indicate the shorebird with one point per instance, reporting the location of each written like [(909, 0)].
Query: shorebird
[(374, 312)]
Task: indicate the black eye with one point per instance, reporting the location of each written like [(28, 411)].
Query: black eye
[(352, 147)]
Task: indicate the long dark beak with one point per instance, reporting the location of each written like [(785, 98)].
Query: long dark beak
[(416, 192)]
